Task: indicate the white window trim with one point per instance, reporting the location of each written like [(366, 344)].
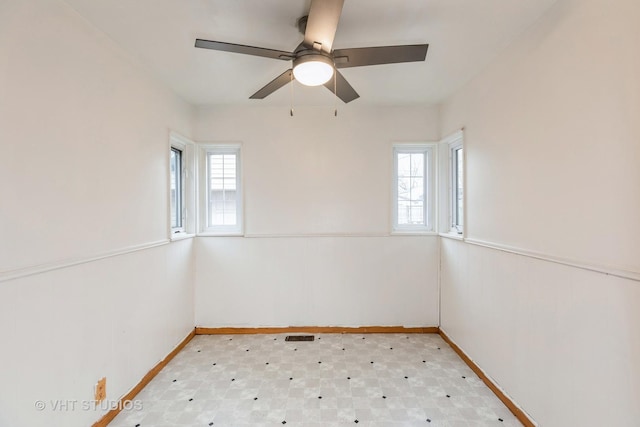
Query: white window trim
[(188, 182), (179, 190), (451, 143), (431, 150), (453, 147), (204, 228)]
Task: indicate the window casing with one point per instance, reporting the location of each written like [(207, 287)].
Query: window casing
[(451, 178), (176, 189), (222, 185), (182, 197), (413, 189), (456, 162)]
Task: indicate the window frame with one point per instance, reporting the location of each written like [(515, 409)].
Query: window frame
[(454, 177), (447, 189), (429, 175), (187, 187), (179, 197), (205, 227)]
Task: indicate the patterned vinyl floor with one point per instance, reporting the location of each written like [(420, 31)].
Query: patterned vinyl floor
[(336, 380)]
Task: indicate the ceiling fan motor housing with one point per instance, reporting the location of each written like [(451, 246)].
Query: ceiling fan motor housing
[(307, 55), (312, 67)]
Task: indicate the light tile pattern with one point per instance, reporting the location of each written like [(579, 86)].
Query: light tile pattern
[(336, 380)]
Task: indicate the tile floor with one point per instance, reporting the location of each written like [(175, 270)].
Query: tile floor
[(336, 380)]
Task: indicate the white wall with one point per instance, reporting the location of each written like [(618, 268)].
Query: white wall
[(552, 150), (317, 281), (81, 130), (84, 134), (317, 220), (63, 330), (563, 342), (553, 123)]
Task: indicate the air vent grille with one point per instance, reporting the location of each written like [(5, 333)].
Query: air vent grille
[(300, 338)]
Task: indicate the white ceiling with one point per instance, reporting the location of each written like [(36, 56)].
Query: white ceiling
[(464, 35)]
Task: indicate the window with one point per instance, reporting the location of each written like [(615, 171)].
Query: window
[(223, 189), (413, 188), (175, 188), (181, 187), (457, 186), (451, 185)]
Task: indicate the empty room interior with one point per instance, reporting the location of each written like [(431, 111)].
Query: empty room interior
[(454, 217)]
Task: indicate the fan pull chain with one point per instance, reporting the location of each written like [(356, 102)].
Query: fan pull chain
[(335, 91), (291, 111)]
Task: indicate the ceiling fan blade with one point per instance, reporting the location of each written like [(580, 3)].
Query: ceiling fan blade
[(247, 50), (344, 89), (273, 85), (322, 23), (358, 57)]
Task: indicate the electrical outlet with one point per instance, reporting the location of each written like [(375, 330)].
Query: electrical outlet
[(101, 389)]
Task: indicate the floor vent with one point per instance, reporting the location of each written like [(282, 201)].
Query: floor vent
[(299, 338)]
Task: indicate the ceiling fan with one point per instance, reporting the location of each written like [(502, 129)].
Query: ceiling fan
[(314, 61)]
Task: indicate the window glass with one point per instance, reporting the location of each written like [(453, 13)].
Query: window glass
[(222, 188), (175, 171), (411, 188), (221, 196)]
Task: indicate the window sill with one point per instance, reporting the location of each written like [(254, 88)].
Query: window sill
[(452, 235), (181, 236), (220, 234), (413, 233)]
